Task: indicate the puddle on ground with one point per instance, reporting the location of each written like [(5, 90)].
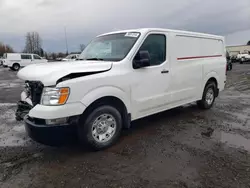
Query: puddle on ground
[(247, 110), (10, 85), (240, 116), (245, 126), (234, 140), (234, 96)]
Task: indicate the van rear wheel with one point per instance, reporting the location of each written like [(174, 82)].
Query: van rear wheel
[(15, 66), (101, 128), (208, 96)]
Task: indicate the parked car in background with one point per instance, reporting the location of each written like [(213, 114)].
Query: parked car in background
[(229, 65), (1, 61), (130, 75), (71, 57), (233, 58), (243, 57), (17, 60), (59, 59), (229, 62)]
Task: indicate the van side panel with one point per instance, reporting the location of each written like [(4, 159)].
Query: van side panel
[(186, 69), (12, 58), (195, 60), (216, 66)]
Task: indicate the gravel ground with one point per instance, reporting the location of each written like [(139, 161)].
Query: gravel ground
[(170, 149), (10, 86)]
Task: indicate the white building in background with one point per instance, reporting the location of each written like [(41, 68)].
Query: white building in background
[(235, 50)]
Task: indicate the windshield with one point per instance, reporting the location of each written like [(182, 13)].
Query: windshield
[(113, 47), (4, 56), (68, 57)]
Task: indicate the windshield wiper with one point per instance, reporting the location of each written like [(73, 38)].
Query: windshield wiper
[(95, 58)]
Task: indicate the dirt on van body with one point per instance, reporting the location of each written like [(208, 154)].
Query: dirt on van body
[(184, 147)]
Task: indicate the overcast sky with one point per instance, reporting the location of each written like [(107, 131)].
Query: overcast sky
[(84, 19)]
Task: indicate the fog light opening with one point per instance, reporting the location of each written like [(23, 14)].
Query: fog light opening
[(58, 121)]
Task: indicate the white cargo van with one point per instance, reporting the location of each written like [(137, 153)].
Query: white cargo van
[(120, 77), (242, 57), (17, 60)]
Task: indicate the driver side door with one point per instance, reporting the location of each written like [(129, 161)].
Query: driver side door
[(150, 89), (37, 59)]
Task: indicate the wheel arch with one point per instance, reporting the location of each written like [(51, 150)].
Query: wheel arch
[(16, 63), (212, 78), (114, 97)]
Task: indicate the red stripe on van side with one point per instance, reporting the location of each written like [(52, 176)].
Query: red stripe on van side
[(198, 57)]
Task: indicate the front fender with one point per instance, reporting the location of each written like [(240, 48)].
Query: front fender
[(106, 91)]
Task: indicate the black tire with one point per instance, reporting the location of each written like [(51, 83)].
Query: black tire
[(15, 67), (242, 60), (203, 103), (85, 127)]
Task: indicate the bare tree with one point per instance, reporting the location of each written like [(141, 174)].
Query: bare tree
[(82, 47), (5, 49), (33, 43)]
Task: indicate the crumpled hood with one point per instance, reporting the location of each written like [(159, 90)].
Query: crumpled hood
[(49, 73)]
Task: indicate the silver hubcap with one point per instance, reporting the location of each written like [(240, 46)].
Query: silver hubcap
[(210, 96), (103, 128)]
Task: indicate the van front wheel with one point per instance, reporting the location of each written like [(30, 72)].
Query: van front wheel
[(101, 128), (208, 96)]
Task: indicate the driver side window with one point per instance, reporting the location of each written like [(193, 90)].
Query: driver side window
[(155, 44), (36, 57)]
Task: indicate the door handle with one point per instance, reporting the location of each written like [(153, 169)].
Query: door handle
[(164, 71)]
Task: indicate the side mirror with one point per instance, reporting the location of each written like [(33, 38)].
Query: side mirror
[(142, 59)]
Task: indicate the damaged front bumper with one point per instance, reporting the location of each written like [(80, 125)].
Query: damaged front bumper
[(51, 135), (23, 109), (29, 98), (23, 106), (49, 125)]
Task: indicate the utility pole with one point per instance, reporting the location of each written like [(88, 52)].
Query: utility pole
[(66, 40)]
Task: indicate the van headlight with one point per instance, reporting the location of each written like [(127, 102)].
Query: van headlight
[(55, 96)]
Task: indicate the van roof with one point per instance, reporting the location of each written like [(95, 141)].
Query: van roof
[(146, 30), (22, 53)]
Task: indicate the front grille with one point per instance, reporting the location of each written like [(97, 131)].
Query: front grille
[(35, 89)]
